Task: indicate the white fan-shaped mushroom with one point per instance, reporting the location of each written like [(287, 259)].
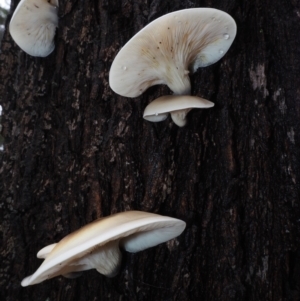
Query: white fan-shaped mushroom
[(167, 49), (96, 245), (33, 26)]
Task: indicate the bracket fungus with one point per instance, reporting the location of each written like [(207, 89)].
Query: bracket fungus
[(177, 105), (33, 26), (97, 245), (169, 48)]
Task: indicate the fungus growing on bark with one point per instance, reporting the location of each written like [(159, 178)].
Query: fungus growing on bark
[(97, 245), (177, 105), (169, 48), (33, 26)]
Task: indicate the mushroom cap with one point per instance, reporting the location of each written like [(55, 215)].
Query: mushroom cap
[(167, 49), (134, 230), (33, 26), (159, 108)]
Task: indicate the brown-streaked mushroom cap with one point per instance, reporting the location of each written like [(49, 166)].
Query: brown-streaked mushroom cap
[(96, 245), (177, 105), (33, 26), (167, 49)]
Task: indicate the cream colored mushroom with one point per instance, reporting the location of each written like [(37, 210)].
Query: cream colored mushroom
[(33, 26), (96, 245), (177, 105), (169, 48)]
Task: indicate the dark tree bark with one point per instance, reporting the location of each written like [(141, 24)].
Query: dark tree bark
[(75, 151)]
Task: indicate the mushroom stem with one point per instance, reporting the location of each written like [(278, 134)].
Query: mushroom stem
[(180, 83), (105, 259), (179, 117)]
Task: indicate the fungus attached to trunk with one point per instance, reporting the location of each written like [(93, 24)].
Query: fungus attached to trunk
[(33, 26), (96, 245), (169, 48), (177, 105)]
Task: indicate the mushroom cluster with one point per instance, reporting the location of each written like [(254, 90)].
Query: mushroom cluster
[(33, 26), (168, 49), (97, 245), (164, 52)]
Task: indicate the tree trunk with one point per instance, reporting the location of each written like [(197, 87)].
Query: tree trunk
[(75, 151)]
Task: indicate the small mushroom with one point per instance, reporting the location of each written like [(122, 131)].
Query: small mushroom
[(177, 105), (45, 251), (169, 48), (96, 245), (33, 26)]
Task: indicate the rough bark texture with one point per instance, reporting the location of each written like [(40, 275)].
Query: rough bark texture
[(76, 151)]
